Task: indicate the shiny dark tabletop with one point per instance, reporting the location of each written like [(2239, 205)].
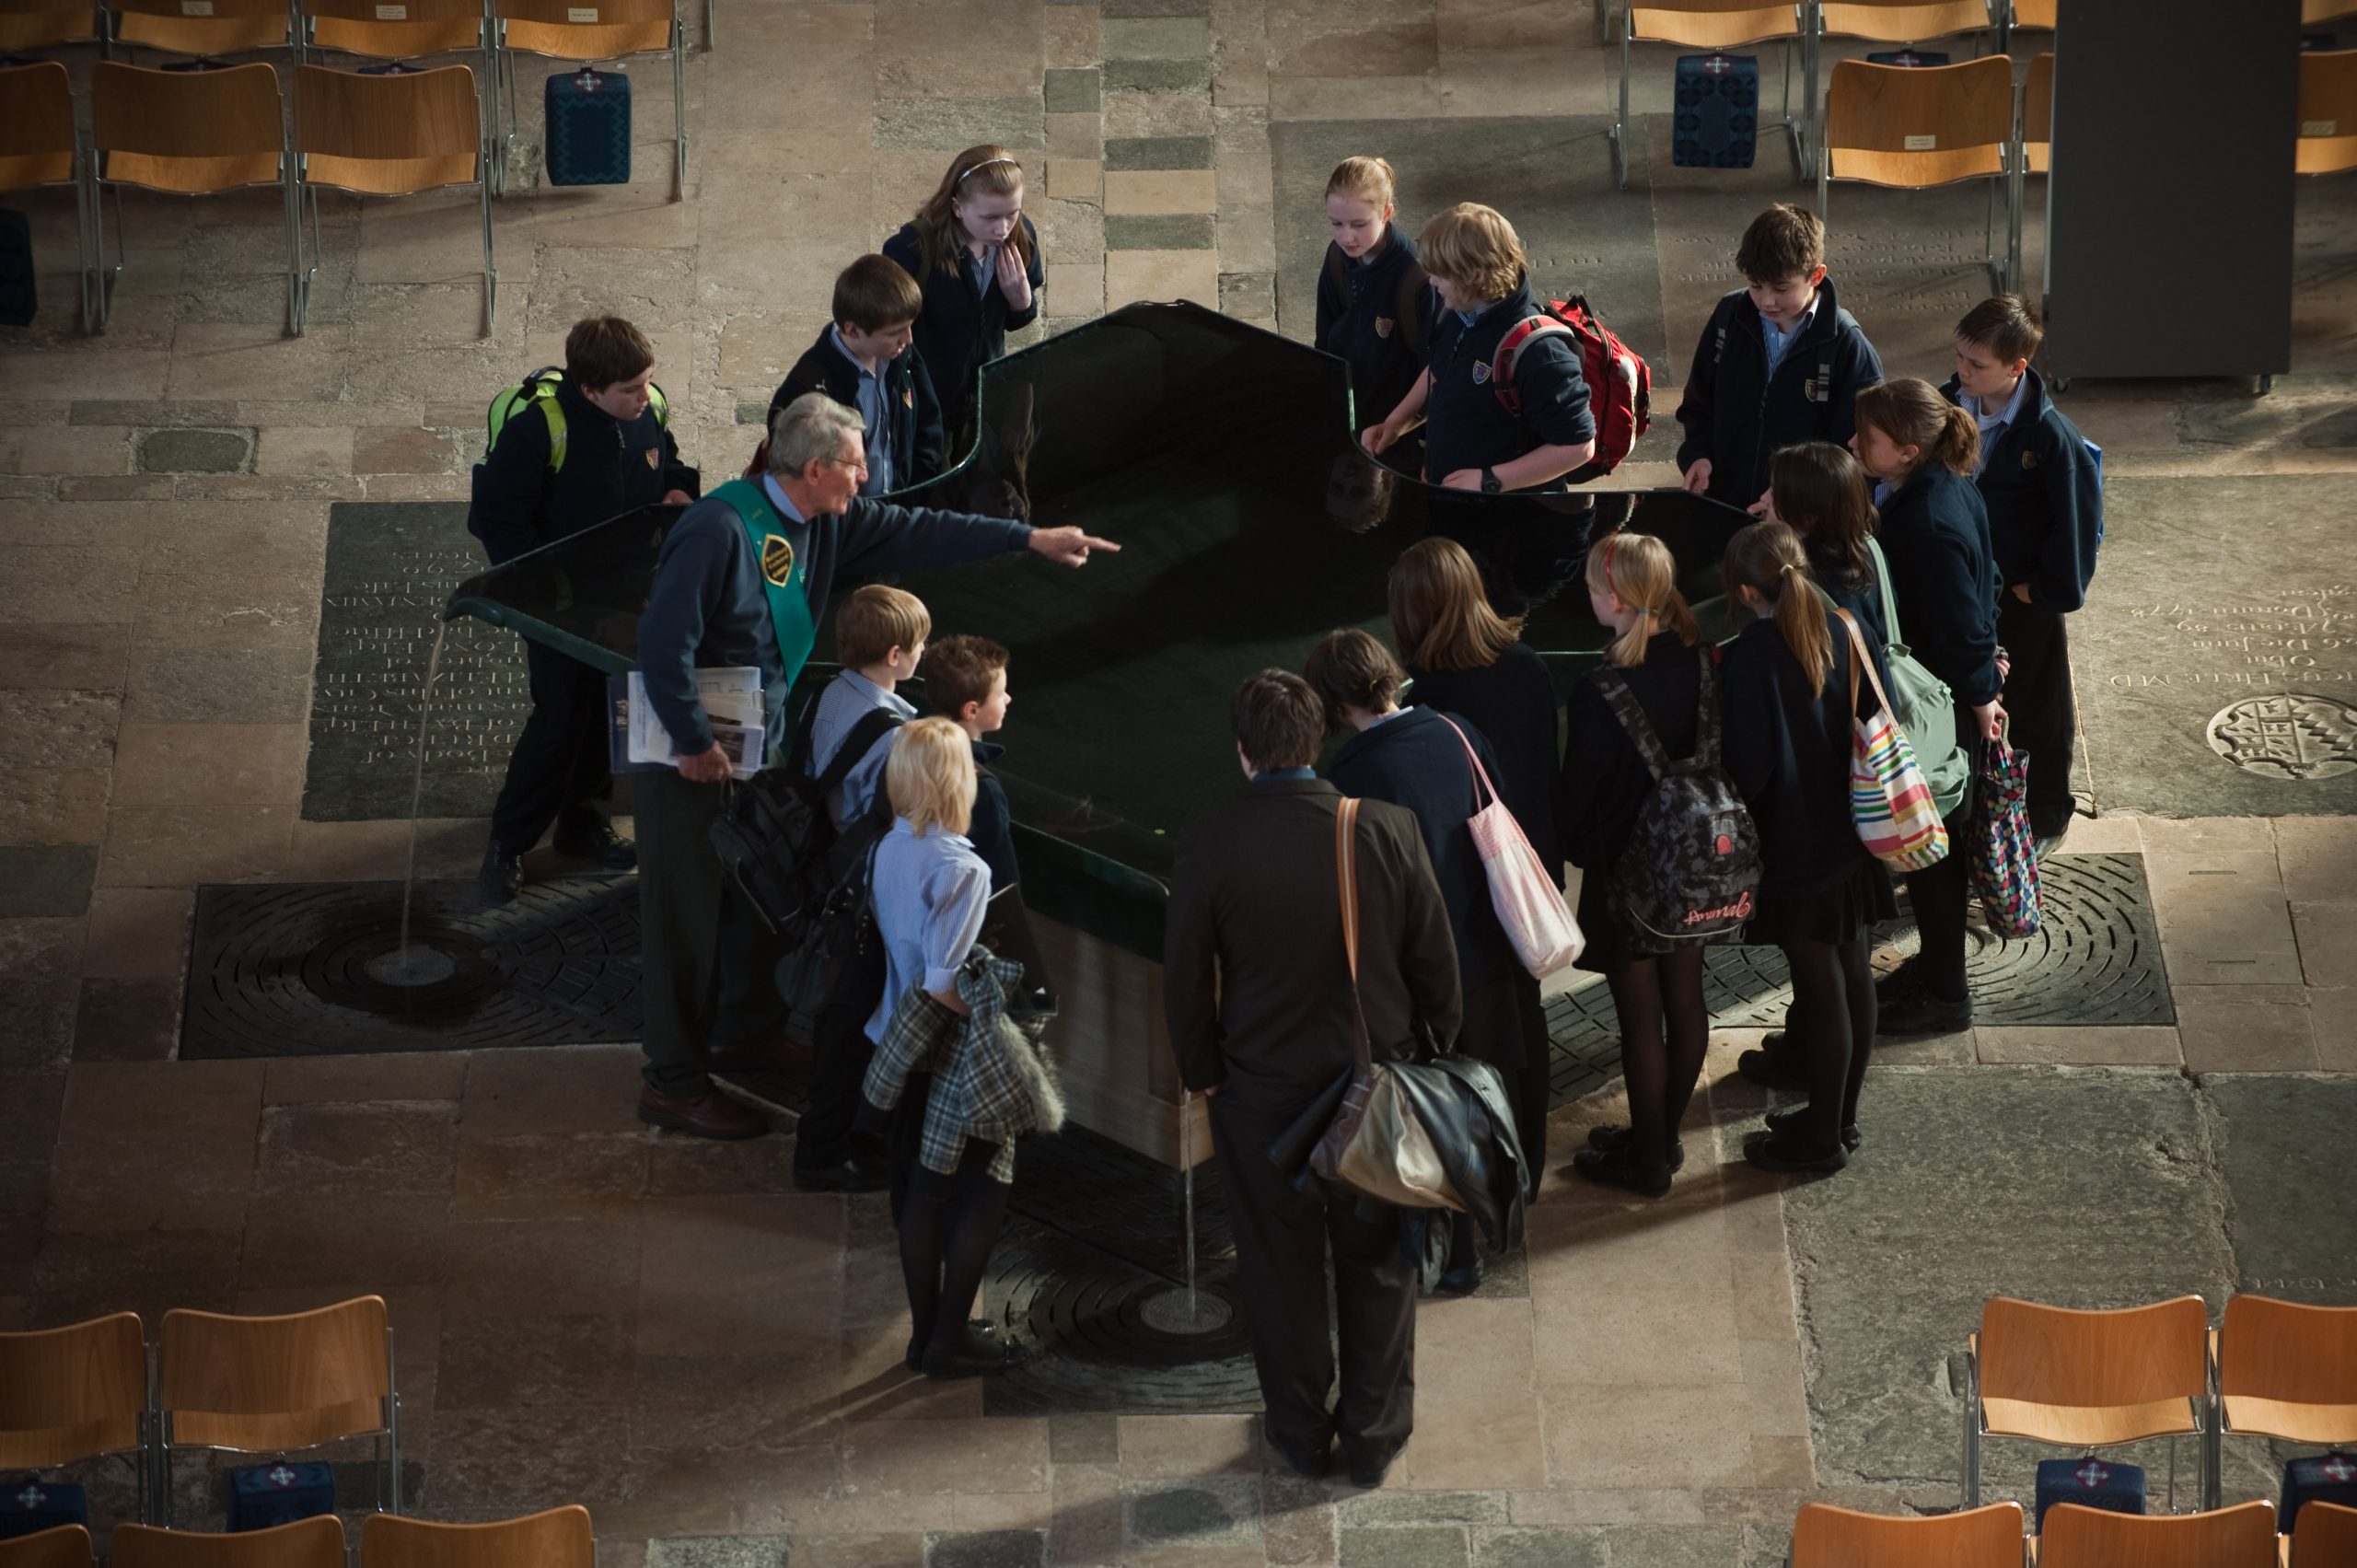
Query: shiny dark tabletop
[(1221, 457)]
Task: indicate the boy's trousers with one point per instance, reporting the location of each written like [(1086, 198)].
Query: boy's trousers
[(559, 765), (2042, 708), (710, 966)]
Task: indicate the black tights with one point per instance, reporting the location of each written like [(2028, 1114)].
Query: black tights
[(1939, 893), (948, 1225), (1833, 1010), (1665, 1029)]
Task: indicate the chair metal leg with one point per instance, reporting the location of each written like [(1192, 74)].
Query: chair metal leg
[(1824, 176), (679, 111), (293, 207), (1971, 1478), (87, 276), (106, 277), (1620, 124), (490, 269)]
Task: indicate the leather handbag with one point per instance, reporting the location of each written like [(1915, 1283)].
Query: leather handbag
[(1924, 706), (1890, 804), (1376, 1144), (1539, 922)]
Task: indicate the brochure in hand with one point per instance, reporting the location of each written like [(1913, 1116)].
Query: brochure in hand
[(637, 742)]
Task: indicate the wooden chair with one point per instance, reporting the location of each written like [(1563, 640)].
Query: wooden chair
[(396, 29), (45, 24), (1920, 126), (2328, 143), (2315, 11), (40, 147), (200, 27), (315, 1542), (67, 1546), (75, 1393), (392, 136), (1827, 1536), (1907, 21), (609, 29), (1714, 25), (2324, 1536), (2085, 1381), (2075, 1536), (2287, 1371), (561, 1537), (272, 1385), (185, 134)]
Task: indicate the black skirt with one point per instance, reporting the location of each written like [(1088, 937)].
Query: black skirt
[(1836, 915)]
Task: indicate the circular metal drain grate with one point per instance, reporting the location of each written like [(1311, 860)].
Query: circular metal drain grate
[(2095, 959), (1102, 1335), (315, 970)]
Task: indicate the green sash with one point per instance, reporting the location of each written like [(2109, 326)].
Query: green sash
[(781, 570)]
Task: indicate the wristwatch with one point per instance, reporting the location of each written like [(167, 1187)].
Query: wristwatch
[(1490, 485)]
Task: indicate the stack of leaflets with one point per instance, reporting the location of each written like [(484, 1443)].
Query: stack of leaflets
[(731, 695)]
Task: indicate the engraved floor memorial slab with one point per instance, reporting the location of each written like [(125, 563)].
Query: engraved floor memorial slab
[(389, 567), (2216, 660)]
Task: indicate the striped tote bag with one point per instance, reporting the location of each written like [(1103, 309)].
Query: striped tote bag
[(1890, 801)]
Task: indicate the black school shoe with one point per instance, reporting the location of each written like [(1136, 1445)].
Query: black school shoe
[(1793, 1121), (602, 844), (977, 1355), (1615, 1168), (975, 1328), (1773, 1150), (502, 877), (1920, 1012), (1462, 1279), (1775, 1065), (1310, 1463), (1370, 1474), (1615, 1140)]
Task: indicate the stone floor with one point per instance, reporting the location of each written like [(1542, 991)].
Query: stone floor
[(665, 1331)]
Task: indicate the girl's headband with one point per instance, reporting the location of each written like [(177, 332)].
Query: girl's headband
[(984, 164)]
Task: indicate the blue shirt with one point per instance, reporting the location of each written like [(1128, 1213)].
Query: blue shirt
[(848, 697), (873, 414), (1781, 343), (931, 890), (1991, 424)]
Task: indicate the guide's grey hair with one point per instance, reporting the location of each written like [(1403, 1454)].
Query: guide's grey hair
[(809, 429)]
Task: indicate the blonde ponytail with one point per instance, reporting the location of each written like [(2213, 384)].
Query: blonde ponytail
[(1638, 570)]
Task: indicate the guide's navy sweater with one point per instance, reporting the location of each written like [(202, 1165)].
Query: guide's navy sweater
[(1738, 415), (708, 608), (1377, 314), (2044, 497)]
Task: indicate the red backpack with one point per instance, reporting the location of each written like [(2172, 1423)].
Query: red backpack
[(1619, 385)]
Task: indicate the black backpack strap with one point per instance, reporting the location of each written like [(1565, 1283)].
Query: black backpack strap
[(797, 756), (1625, 707), (1706, 715), (873, 723)]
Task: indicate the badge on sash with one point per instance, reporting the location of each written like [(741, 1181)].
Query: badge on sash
[(1383, 326), (651, 456), (1480, 372), (777, 560)]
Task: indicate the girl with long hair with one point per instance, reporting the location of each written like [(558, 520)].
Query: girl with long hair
[(1656, 986), (1467, 660), (976, 258), (1934, 533), (1788, 742)]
